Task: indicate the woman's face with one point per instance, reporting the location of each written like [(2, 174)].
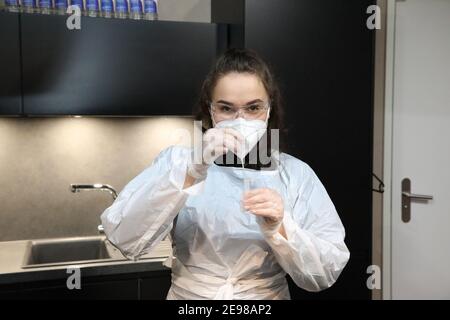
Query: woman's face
[(239, 90)]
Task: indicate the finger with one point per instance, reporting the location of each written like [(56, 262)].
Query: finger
[(233, 137), (261, 205), (256, 200), (214, 149), (252, 192), (257, 196), (253, 196), (212, 153), (213, 139), (269, 213), (211, 134), (236, 134), (219, 138), (265, 193), (232, 144)]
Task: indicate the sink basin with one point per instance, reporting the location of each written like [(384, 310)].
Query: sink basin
[(66, 251)]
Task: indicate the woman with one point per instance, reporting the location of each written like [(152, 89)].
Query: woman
[(236, 231)]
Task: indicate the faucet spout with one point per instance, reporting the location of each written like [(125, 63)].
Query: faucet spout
[(97, 186)]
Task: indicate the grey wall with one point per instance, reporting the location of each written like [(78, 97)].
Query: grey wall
[(41, 157), (185, 10)]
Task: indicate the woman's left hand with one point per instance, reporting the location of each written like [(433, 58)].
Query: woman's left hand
[(266, 203)]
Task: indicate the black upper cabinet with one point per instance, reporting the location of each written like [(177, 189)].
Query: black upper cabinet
[(114, 67), (10, 86)]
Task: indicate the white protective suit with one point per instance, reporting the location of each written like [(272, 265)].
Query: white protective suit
[(220, 252)]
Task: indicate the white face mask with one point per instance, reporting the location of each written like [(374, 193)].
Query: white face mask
[(251, 130)]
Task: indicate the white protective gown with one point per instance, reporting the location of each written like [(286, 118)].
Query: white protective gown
[(220, 251)]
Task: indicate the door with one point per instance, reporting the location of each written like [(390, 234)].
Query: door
[(322, 53), (421, 151)]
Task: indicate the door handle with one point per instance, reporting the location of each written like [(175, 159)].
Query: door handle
[(407, 196), (417, 196)]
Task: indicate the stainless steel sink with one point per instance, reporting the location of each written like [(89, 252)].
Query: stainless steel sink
[(67, 251)]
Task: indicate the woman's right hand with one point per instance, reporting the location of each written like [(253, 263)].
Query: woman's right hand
[(216, 142)]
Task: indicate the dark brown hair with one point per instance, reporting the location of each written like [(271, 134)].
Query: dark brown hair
[(241, 61)]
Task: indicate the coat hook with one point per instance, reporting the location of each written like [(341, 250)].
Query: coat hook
[(380, 184)]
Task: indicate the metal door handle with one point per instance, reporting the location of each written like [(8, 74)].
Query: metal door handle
[(417, 196), (407, 196)]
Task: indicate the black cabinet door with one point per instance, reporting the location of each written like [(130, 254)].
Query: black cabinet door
[(105, 290), (322, 52), (10, 82), (156, 286), (113, 66)]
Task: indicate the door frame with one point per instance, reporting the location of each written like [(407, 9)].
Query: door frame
[(378, 143), (382, 141), (388, 151)]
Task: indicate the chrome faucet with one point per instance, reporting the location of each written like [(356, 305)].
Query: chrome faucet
[(97, 186)]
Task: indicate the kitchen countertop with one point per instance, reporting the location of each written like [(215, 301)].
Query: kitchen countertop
[(12, 255)]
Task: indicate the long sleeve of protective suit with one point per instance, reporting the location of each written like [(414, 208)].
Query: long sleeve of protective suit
[(143, 213), (314, 253)]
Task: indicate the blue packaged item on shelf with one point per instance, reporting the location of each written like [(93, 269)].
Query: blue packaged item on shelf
[(45, 6), (121, 9), (136, 9), (150, 10), (12, 5), (92, 8), (61, 6), (107, 8), (29, 6), (78, 3)]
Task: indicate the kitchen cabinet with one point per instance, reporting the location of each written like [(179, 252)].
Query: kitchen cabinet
[(147, 285), (110, 67), (119, 289), (114, 66), (154, 287), (10, 75), (323, 54)]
